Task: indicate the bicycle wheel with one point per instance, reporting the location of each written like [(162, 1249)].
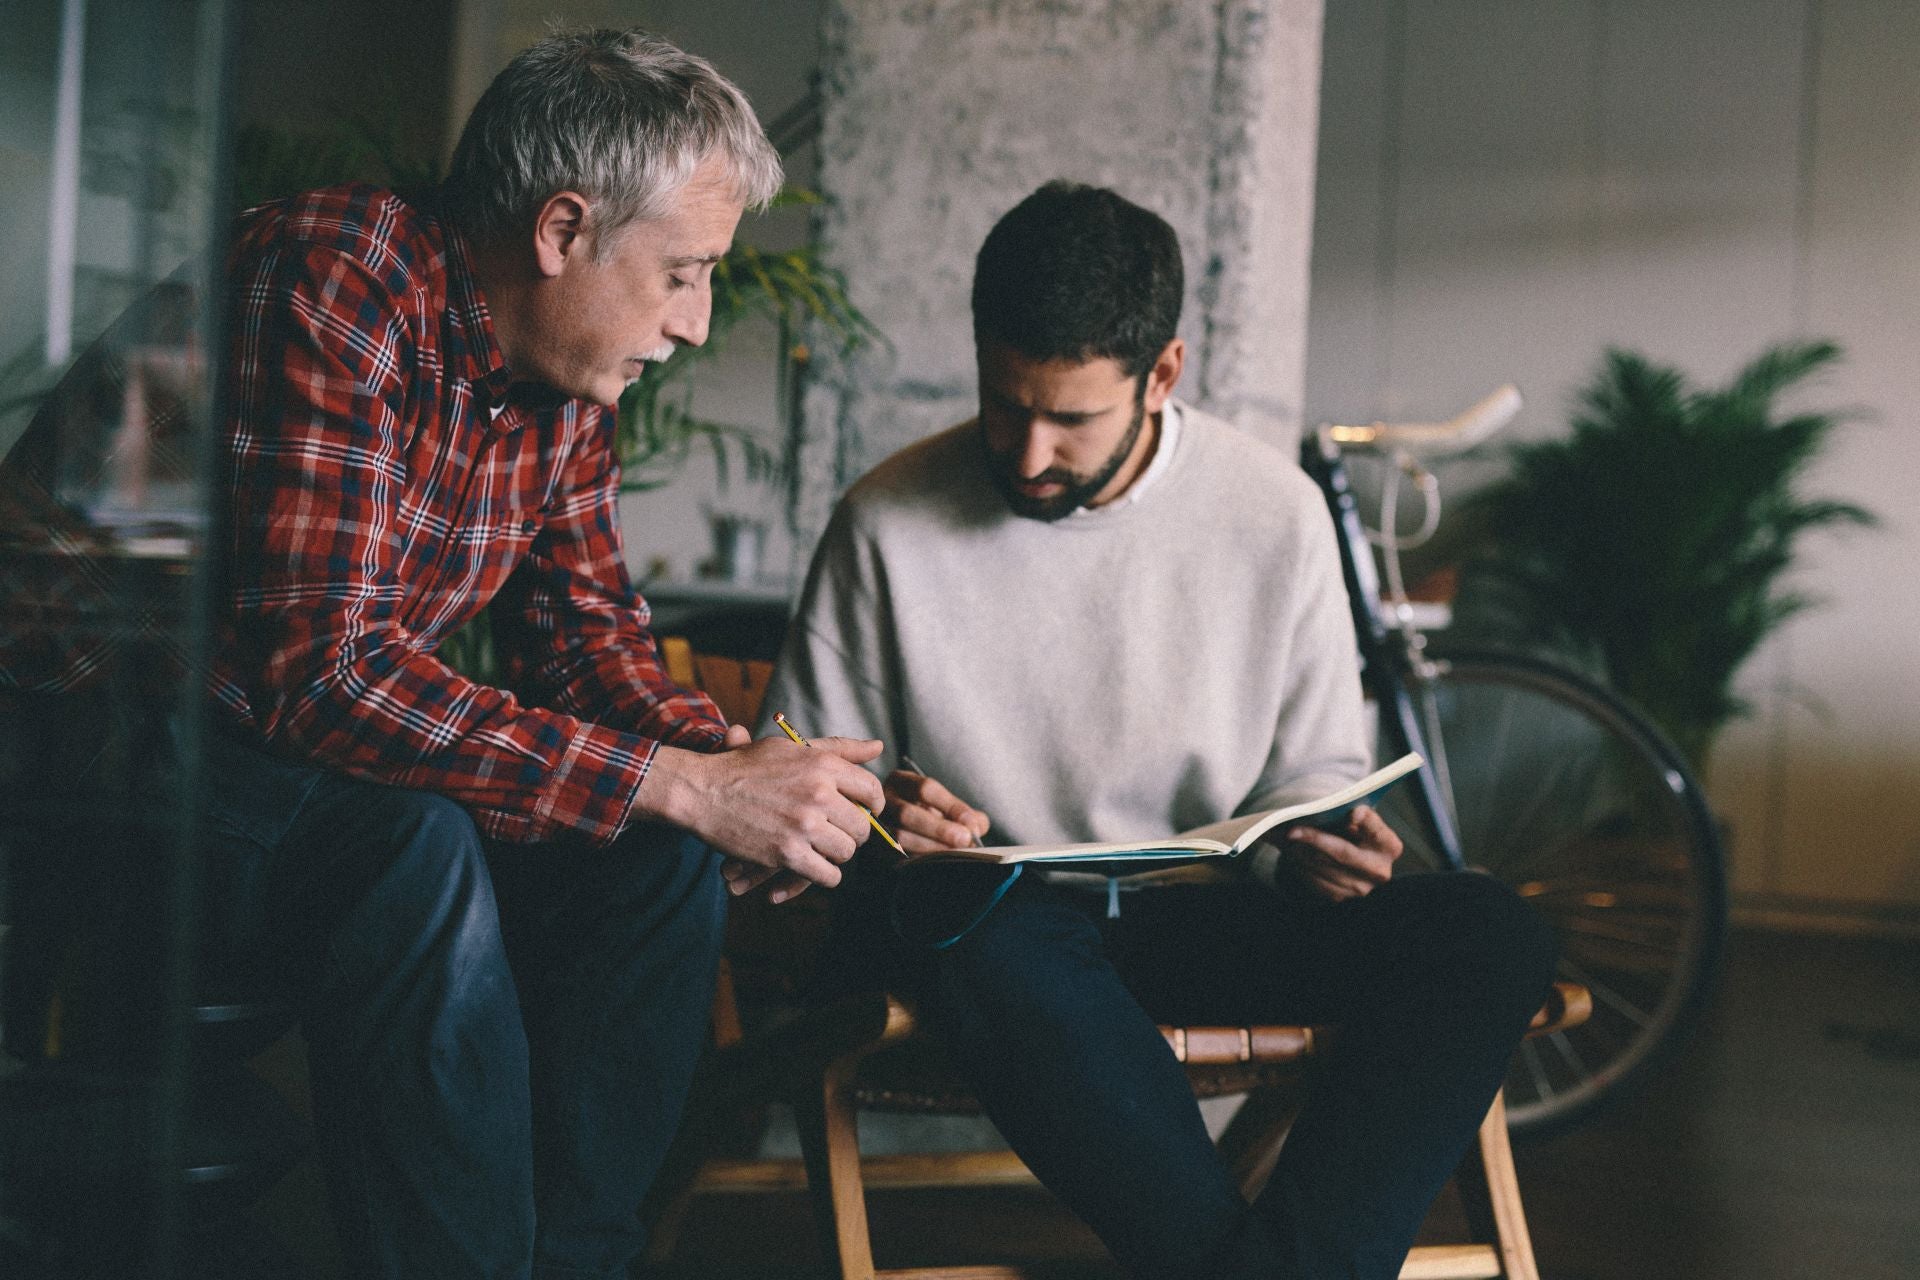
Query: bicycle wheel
[(1567, 794)]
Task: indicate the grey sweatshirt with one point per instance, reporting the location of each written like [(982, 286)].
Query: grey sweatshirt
[(1127, 673)]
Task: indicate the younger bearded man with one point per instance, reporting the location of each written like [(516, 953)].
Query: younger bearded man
[(1097, 613)]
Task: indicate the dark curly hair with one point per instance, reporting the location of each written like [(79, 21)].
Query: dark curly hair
[(1078, 272)]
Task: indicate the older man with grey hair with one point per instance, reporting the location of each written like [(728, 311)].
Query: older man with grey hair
[(498, 908)]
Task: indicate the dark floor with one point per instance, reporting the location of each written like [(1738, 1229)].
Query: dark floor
[(1783, 1142)]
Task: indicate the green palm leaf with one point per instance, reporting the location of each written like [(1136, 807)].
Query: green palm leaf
[(1652, 541)]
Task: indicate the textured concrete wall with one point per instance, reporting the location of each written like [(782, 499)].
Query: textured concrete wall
[(939, 115)]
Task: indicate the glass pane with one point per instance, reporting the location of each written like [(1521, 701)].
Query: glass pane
[(109, 132)]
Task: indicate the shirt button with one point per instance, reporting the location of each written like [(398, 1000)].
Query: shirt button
[(529, 526)]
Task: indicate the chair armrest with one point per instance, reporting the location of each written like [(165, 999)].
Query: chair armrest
[(792, 1054), (1568, 1004)]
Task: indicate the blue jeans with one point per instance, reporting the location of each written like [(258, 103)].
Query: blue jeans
[(500, 1037), (1049, 1010)]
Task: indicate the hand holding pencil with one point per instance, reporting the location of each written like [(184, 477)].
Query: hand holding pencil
[(928, 814), (780, 718), (781, 816)]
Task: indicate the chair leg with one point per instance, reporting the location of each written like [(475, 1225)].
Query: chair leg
[(830, 1143), (1493, 1198), (1251, 1141), (665, 1232)]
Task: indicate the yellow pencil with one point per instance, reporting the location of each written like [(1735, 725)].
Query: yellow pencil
[(780, 719)]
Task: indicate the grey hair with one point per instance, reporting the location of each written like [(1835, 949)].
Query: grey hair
[(622, 117)]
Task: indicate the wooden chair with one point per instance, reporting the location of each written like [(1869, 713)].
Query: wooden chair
[(865, 1052)]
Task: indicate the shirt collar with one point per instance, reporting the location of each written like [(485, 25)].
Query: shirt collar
[(484, 364), (1171, 421)]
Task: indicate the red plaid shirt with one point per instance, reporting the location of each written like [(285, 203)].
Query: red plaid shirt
[(386, 484)]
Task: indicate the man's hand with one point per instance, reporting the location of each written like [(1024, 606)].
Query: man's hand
[(745, 877), (1340, 867), (774, 808), (928, 816)]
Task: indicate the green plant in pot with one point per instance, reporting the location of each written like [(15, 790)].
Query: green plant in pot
[(658, 427), (1652, 542)]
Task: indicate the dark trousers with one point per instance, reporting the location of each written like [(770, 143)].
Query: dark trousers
[(500, 1037), (1049, 1010)]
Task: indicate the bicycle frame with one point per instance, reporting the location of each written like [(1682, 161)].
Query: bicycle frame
[(1384, 659)]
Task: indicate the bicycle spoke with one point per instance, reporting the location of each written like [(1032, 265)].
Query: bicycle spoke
[(1536, 1070), (1616, 930), (1589, 889), (1606, 995), (1539, 853), (1562, 793), (1560, 1041)]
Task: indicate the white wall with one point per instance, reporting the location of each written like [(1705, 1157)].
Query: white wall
[(1506, 187)]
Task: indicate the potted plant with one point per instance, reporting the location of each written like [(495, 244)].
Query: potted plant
[(658, 426), (1651, 542)]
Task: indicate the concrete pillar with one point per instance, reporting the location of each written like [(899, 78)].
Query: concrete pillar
[(939, 115)]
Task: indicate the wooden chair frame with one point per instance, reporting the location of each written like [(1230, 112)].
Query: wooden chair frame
[(818, 1062), (814, 1063)]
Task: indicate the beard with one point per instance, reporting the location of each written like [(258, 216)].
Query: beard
[(1079, 487)]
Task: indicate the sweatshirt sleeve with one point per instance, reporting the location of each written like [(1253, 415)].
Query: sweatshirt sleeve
[(1321, 740)]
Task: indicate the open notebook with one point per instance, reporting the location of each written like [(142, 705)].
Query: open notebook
[(1215, 840)]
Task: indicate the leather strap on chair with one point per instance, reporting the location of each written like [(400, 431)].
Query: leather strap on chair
[(1566, 1005), (1208, 1046)]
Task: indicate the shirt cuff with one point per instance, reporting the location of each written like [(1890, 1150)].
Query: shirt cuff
[(591, 794)]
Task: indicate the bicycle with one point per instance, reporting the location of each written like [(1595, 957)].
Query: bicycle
[(1543, 778)]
